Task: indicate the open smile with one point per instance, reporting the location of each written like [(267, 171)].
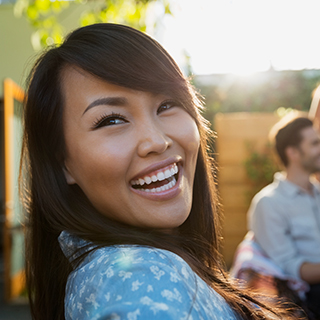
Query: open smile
[(158, 181)]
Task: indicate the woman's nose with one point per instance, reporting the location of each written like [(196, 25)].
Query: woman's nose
[(152, 141)]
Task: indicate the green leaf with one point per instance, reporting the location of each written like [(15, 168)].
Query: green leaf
[(32, 12), (43, 5), (43, 15)]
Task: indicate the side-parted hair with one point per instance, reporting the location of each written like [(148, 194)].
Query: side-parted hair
[(287, 133), (126, 57)]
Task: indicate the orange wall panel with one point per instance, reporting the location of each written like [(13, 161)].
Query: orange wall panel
[(234, 132)]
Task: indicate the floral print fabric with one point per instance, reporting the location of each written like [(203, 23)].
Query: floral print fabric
[(129, 282)]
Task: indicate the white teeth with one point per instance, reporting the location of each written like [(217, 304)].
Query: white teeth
[(167, 174), (165, 187), (147, 180), (160, 176)]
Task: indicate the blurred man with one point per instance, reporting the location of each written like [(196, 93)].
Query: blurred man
[(285, 215)]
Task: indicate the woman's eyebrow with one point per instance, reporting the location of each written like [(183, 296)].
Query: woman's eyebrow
[(110, 101)]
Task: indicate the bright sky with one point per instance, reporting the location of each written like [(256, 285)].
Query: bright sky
[(244, 36)]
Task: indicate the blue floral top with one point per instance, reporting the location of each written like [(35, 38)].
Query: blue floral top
[(130, 282)]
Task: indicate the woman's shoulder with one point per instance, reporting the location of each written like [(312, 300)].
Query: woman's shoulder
[(131, 280), (127, 256), (128, 261), (74, 247)]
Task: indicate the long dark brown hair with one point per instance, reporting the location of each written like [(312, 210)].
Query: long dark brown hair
[(126, 57)]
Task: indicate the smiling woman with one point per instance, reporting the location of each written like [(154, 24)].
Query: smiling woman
[(129, 136), (121, 201)]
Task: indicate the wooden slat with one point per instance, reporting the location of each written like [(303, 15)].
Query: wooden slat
[(8, 143), (233, 173), (235, 195), (18, 283), (235, 132), (246, 125), (234, 224), (14, 284), (229, 248), (236, 151)]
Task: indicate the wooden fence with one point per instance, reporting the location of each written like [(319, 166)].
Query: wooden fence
[(235, 131)]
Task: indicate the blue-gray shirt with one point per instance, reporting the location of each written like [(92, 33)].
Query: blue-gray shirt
[(286, 223), (137, 283)]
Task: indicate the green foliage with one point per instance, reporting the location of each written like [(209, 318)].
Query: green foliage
[(260, 168), (129, 12), (43, 15), (262, 92), (288, 89)]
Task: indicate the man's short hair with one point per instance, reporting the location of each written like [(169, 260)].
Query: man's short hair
[(287, 133)]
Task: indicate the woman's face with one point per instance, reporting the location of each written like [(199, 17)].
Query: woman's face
[(132, 153)]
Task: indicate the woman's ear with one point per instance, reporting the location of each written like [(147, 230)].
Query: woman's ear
[(68, 175)]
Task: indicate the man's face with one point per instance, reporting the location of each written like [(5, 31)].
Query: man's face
[(309, 150)]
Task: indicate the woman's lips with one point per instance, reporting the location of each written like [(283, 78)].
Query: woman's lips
[(156, 167), (156, 176), (165, 186)]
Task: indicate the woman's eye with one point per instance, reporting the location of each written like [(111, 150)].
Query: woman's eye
[(109, 120), (167, 105)]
